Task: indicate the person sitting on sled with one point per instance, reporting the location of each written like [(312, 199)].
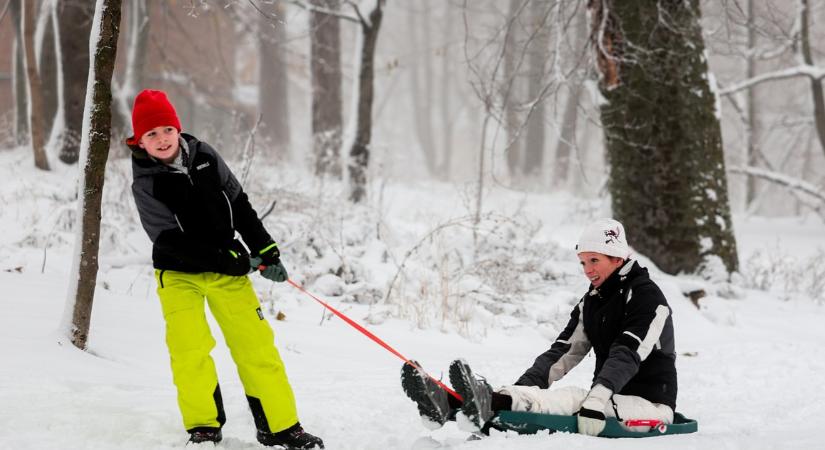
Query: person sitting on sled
[(191, 206), (623, 317)]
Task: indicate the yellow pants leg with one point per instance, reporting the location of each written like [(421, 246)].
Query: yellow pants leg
[(190, 341), (251, 341)]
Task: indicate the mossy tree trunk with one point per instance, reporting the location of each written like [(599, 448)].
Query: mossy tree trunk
[(664, 143)]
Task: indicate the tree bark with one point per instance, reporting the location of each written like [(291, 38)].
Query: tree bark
[(21, 122), (95, 150), (47, 69), (36, 120), (664, 143), (273, 80), (816, 85), (535, 141), (359, 154), (325, 74), (511, 120), (752, 131), (75, 18)]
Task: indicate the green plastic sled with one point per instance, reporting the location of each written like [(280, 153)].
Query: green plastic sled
[(531, 423)]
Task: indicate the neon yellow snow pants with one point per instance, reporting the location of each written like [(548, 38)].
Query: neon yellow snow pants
[(235, 306)]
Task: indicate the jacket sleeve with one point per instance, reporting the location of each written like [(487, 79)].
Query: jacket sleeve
[(243, 214), (569, 349), (646, 315)]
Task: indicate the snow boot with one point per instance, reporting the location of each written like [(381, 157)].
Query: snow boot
[(293, 438), (477, 394), (433, 406), (204, 434)]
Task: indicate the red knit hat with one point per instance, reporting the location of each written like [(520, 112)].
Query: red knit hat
[(152, 109)]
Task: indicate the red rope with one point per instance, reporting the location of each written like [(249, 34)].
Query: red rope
[(375, 338)]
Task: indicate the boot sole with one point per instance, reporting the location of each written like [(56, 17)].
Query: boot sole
[(415, 386), (460, 373)]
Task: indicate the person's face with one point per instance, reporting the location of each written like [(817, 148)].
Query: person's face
[(161, 143), (597, 267)]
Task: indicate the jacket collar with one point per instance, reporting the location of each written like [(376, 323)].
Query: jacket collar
[(614, 282)]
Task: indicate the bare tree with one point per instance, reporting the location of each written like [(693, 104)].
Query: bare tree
[(94, 151), (359, 154), (538, 55), (325, 73), (47, 67), (36, 119), (75, 18), (21, 122), (273, 100), (509, 93)]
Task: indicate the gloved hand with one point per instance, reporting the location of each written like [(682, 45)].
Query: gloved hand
[(272, 269), (591, 418), (232, 262)]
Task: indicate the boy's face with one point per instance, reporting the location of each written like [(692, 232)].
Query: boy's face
[(598, 267), (162, 143)]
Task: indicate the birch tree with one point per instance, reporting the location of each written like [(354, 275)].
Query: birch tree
[(664, 144), (21, 121), (94, 151), (273, 100)]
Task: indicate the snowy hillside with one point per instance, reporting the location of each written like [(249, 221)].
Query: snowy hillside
[(749, 366)]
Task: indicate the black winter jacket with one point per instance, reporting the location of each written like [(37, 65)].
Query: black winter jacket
[(191, 217), (628, 323)]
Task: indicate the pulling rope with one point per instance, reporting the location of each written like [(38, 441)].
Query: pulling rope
[(375, 338)]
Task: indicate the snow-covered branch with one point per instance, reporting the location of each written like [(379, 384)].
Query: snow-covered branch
[(794, 184), (319, 9), (804, 70)]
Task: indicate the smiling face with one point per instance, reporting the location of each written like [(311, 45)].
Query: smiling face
[(598, 267), (162, 143)]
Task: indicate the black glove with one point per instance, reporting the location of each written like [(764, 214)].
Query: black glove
[(233, 261), (271, 260)]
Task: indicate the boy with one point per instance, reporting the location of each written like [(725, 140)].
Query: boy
[(191, 205), (623, 317)]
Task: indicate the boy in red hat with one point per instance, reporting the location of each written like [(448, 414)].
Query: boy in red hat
[(192, 207)]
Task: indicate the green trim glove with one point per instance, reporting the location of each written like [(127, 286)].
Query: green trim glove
[(270, 264)]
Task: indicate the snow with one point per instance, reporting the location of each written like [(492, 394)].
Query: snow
[(749, 365)]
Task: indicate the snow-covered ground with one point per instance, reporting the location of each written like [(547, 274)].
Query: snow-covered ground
[(749, 364)]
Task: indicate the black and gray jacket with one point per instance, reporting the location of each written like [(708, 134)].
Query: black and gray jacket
[(191, 215), (628, 323)]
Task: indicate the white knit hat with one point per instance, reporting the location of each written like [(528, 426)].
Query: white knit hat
[(605, 236)]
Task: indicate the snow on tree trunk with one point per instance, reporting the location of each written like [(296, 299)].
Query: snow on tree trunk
[(94, 150), (325, 73), (75, 20), (359, 154), (273, 99), (664, 143), (36, 121)]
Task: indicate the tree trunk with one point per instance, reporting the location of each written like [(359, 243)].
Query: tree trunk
[(75, 20), (446, 123), (569, 124), (752, 131), (273, 101), (511, 120), (36, 120), (535, 142), (94, 150), (664, 143), (359, 154), (816, 85), (47, 69), (21, 104), (421, 92), (325, 73)]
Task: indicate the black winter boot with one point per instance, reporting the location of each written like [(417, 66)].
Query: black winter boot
[(431, 398), (477, 394), (204, 434), (293, 438)]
